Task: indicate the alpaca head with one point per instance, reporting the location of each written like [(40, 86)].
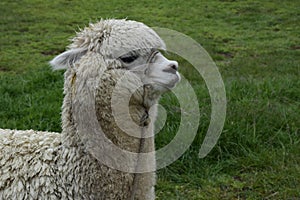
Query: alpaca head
[(124, 44)]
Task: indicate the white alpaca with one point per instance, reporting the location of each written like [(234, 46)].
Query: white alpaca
[(44, 165)]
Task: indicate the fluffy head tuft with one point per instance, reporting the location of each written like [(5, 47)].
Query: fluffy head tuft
[(110, 38)]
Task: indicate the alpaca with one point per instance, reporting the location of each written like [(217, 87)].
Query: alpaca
[(114, 77)]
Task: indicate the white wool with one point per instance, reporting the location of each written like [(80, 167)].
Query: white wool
[(46, 165)]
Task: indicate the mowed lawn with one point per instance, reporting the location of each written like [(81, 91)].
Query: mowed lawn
[(255, 44)]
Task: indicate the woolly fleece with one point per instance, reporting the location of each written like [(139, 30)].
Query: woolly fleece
[(46, 165)]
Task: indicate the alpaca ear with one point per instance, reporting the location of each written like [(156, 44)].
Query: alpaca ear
[(67, 58)]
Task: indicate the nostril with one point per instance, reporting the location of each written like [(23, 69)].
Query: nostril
[(174, 65)]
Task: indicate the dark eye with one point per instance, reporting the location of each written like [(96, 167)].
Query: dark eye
[(128, 58)]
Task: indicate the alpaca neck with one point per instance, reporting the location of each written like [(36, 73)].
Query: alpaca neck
[(142, 111), (126, 131), (141, 107)]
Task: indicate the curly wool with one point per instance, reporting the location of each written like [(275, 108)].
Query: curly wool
[(36, 165), (45, 165)]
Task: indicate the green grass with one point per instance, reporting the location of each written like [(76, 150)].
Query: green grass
[(256, 47)]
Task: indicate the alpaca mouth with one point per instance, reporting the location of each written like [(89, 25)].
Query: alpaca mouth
[(170, 70), (168, 84), (174, 82)]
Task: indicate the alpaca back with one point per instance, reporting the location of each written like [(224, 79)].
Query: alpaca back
[(35, 165), (27, 164)]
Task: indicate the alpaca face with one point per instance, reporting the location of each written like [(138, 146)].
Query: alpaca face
[(133, 44), (153, 68)]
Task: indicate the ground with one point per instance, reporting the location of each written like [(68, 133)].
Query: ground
[(256, 46)]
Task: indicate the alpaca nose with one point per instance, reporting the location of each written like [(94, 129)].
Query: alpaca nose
[(174, 65)]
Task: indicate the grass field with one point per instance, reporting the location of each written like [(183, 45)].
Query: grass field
[(255, 44)]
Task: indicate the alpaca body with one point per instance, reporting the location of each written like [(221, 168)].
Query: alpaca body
[(57, 166), (46, 169), (70, 165)]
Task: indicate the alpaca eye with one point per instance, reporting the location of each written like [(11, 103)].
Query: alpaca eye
[(128, 58)]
